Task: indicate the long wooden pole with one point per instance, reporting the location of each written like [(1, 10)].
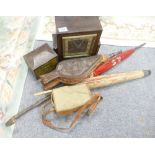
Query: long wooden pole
[(108, 80)]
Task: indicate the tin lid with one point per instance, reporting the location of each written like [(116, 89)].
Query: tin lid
[(39, 56)]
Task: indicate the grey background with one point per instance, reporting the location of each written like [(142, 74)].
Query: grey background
[(127, 110)]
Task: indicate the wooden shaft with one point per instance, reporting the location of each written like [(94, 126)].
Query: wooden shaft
[(108, 80)]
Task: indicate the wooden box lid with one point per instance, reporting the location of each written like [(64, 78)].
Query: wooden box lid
[(39, 56)]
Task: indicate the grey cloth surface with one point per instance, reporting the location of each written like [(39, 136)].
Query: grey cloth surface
[(127, 110)]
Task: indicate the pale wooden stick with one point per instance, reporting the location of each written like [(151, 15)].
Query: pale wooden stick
[(42, 93), (108, 80)]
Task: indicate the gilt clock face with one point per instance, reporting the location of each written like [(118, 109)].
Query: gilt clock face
[(77, 46)]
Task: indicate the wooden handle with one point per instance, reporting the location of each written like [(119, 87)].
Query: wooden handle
[(108, 80), (51, 84), (104, 58), (46, 78)]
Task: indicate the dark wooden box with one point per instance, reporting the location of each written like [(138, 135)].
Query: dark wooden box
[(77, 36), (41, 60)]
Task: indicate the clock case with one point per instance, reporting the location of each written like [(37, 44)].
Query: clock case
[(72, 29)]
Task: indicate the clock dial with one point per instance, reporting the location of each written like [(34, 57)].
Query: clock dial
[(79, 45)]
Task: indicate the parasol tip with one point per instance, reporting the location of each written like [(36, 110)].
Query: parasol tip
[(140, 46)]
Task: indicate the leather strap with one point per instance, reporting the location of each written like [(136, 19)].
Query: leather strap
[(90, 105)]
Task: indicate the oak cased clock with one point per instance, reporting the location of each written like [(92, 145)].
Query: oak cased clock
[(77, 36)]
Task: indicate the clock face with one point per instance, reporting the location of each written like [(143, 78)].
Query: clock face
[(76, 46)]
